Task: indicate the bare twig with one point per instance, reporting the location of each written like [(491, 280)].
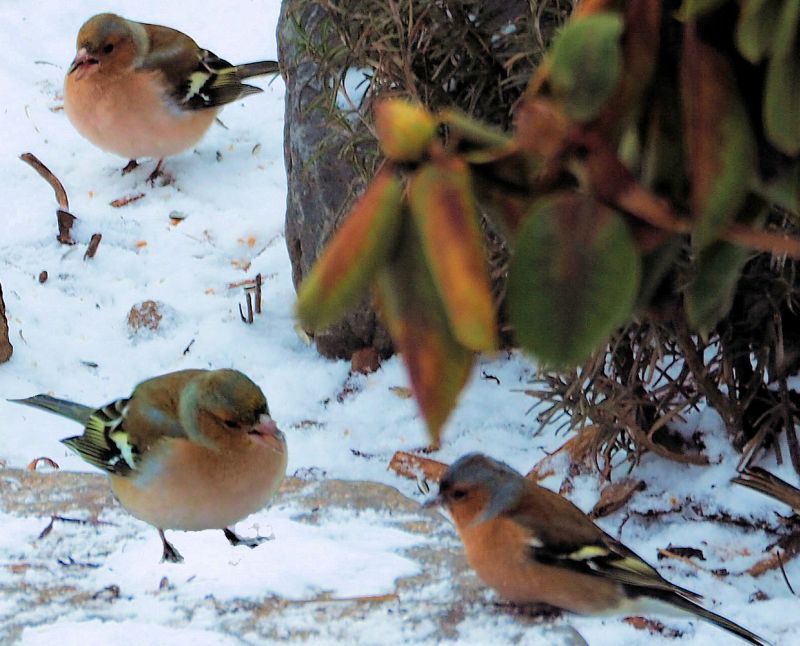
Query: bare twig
[(249, 307), (64, 519), (258, 293), (65, 222), (669, 554), (91, 250), (127, 199), (33, 464), (249, 318), (47, 175), (791, 548), (783, 572)]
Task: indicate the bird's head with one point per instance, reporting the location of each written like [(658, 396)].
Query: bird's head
[(107, 43), (223, 405), (476, 489)]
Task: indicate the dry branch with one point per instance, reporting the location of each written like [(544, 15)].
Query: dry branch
[(6, 349), (788, 549), (91, 250), (127, 199), (64, 217), (47, 175)]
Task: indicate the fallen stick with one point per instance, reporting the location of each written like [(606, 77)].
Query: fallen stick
[(64, 217)]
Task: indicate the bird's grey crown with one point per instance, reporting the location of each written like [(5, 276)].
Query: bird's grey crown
[(477, 468)]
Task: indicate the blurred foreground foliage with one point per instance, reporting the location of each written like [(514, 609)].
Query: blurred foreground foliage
[(648, 190)]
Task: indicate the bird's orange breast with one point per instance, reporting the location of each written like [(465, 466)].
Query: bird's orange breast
[(131, 115), (186, 486)]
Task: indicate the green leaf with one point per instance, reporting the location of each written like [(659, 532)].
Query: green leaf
[(573, 278), (586, 64), (717, 269), (782, 91), (758, 23), (693, 8), (710, 295), (785, 35)]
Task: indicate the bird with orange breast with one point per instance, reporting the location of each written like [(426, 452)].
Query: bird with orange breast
[(188, 450), (141, 90), (533, 546)]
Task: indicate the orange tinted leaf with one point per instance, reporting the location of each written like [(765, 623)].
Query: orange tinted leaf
[(721, 146), (590, 7), (404, 129), (438, 365), (440, 197), (358, 248), (639, 52), (542, 128)]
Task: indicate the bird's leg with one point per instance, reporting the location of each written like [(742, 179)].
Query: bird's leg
[(131, 165), (157, 172), (234, 539), (170, 554)]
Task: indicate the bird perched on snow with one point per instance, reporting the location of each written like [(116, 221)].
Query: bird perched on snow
[(189, 450), (533, 546), (141, 90)]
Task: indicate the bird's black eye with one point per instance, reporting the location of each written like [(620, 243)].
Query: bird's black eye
[(458, 494), (230, 424), (108, 48)]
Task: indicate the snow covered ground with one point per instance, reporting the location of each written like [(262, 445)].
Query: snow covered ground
[(71, 339)]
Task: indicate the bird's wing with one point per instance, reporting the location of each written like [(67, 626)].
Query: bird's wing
[(214, 82), (576, 543), (197, 78), (104, 442)]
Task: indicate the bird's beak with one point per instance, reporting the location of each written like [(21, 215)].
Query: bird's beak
[(82, 64), (267, 431)]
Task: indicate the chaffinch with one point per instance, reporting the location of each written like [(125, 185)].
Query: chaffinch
[(188, 450), (141, 90), (533, 546)]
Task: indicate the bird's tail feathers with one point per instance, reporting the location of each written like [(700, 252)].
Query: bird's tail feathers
[(246, 90), (259, 68), (70, 410), (685, 605)]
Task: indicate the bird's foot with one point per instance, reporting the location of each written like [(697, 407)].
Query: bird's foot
[(533, 610), (130, 166), (235, 540), (159, 173), (169, 553)]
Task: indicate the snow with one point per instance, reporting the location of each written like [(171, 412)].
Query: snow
[(71, 339)]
